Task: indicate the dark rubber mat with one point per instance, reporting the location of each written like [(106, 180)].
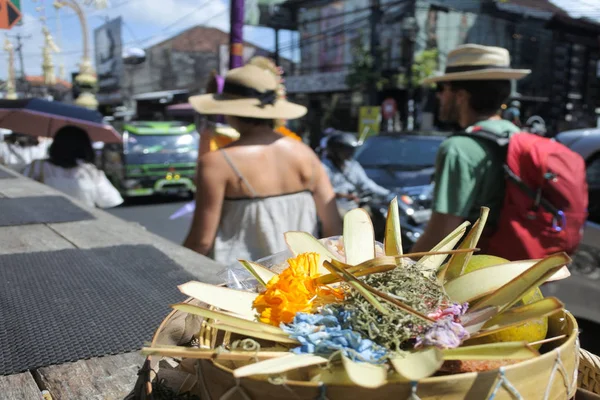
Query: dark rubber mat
[(74, 304), (6, 175), (40, 210)]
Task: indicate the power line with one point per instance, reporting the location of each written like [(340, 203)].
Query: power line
[(146, 39)]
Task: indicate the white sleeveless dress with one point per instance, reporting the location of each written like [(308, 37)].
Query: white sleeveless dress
[(253, 228)]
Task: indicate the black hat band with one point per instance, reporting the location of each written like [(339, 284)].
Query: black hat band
[(233, 89), (467, 68)]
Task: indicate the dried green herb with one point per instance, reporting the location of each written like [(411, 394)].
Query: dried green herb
[(394, 331)]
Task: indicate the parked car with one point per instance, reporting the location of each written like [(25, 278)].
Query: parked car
[(155, 158), (586, 142)]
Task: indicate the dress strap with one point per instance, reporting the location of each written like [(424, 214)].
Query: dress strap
[(238, 173)]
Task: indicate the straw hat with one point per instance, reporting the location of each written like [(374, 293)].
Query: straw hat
[(475, 62), (249, 91)]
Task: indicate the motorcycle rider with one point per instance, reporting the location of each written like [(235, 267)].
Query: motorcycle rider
[(347, 176), (513, 113)]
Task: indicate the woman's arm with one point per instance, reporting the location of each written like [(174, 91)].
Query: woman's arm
[(106, 195), (324, 197), (210, 191)]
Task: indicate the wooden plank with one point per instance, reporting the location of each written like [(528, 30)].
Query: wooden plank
[(108, 230), (103, 378), (19, 387), (30, 238)]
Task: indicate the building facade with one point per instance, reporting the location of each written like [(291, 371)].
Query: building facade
[(176, 68), (561, 51)]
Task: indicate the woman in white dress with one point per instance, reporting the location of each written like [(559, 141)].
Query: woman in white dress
[(70, 168), (17, 150), (252, 191)]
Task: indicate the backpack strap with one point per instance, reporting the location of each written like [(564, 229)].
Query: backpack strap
[(479, 132), (502, 142)]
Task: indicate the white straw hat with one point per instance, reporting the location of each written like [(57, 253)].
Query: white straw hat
[(475, 62), (249, 91)]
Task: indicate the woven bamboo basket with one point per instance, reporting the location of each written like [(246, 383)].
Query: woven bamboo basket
[(556, 374)]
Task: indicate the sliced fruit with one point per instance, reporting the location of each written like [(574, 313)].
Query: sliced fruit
[(528, 322), (429, 264), (476, 284), (418, 365), (279, 365), (458, 262), (359, 237), (392, 242), (513, 291), (254, 334), (241, 323), (365, 374), (236, 301), (494, 351)]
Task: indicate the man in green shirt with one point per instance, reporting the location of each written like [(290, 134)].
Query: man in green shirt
[(469, 170)]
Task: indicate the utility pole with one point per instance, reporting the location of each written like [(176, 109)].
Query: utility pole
[(375, 22), (236, 35), (19, 51), (276, 46), (410, 90)]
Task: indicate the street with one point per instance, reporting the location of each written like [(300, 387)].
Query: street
[(153, 214)]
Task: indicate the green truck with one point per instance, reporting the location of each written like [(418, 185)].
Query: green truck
[(156, 158)]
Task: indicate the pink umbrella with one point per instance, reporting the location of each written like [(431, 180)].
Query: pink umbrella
[(37, 117)]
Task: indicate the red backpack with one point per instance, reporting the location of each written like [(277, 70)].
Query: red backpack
[(545, 200)]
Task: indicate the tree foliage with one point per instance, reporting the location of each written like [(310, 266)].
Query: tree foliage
[(362, 73), (425, 65)]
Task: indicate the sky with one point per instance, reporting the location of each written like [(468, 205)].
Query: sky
[(147, 22)]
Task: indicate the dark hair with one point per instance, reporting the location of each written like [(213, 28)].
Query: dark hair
[(21, 139), (70, 145), (486, 96), (257, 121)]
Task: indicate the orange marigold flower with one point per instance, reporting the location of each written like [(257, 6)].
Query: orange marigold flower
[(293, 291)]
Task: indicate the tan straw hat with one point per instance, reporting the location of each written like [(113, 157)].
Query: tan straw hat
[(249, 91), (470, 62)]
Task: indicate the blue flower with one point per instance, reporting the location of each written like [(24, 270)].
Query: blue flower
[(328, 332)]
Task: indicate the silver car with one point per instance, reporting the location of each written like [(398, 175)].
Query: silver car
[(586, 142)]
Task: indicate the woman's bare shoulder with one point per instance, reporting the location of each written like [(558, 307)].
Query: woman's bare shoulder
[(212, 158), (296, 147)]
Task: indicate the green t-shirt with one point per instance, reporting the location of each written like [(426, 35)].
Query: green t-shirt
[(469, 174)]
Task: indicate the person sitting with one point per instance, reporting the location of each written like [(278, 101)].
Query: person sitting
[(70, 169), (264, 184), (347, 176)]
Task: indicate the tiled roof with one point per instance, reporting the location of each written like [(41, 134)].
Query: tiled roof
[(198, 39), (39, 81)]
